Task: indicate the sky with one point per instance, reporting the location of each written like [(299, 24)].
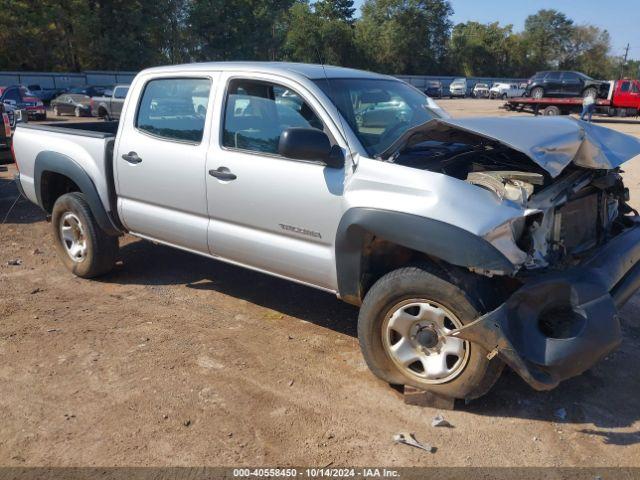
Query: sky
[(623, 26)]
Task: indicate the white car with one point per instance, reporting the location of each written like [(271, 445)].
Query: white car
[(506, 90), (458, 88), (480, 90)]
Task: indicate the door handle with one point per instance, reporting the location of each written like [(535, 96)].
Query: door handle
[(132, 157), (223, 173)]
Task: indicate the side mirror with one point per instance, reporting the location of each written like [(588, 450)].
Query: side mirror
[(310, 144)]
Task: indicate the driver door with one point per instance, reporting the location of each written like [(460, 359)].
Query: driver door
[(267, 211)]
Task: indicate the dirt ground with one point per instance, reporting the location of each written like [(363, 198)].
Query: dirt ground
[(174, 359)]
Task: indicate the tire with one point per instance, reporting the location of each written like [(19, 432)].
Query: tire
[(474, 374), (98, 255), (504, 96), (551, 111), (590, 92), (537, 92)]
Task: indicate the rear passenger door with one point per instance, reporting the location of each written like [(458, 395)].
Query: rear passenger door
[(160, 158), (272, 213), (571, 84), (553, 84)]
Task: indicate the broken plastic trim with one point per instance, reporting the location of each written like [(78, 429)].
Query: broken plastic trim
[(592, 292)]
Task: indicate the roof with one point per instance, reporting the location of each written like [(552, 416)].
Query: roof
[(308, 70)]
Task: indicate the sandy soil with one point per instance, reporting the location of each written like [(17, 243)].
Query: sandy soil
[(174, 359)]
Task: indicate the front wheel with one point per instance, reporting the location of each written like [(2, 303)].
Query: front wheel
[(84, 248), (402, 329)]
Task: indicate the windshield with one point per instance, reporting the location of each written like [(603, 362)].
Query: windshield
[(378, 111)]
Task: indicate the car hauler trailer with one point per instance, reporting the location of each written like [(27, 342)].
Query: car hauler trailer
[(623, 100)]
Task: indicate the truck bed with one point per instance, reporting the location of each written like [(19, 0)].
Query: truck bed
[(88, 144), (86, 129)]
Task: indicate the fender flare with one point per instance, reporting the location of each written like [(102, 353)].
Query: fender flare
[(55, 162), (439, 239)]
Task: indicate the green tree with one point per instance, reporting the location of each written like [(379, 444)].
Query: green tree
[(404, 36), (312, 37), (483, 49), (238, 30), (547, 35), (588, 51), (335, 10)]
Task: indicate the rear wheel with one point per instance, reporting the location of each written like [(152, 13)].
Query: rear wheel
[(537, 92), (402, 329), (551, 110), (504, 96), (84, 248)]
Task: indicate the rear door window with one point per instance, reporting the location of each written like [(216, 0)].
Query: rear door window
[(169, 108)]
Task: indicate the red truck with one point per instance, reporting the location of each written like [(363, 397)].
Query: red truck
[(623, 100)]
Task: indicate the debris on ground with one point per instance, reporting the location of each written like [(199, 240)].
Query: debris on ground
[(439, 421), (410, 439), (187, 423), (291, 383), (36, 251), (15, 262), (561, 413), (36, 290)]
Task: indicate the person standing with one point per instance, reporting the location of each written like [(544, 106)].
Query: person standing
[(588, 107)]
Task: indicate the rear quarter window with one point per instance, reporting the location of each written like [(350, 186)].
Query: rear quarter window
[(172, 108)]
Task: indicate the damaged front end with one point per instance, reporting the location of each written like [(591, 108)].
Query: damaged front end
[(575, 247)]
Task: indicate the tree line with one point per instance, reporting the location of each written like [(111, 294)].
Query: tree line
[(391, 36)]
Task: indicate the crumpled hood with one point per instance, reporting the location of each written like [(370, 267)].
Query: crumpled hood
[(551, 142)]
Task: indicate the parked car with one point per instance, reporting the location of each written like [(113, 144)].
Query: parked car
[(377, 109), (506, 90), (434, 88), (71, 104), (480, 90), (5, 137), (463, 245), (21, 98), (565, 84), (458, 88), (109, 105), (44, 94)]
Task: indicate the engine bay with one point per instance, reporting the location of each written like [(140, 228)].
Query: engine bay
[(563, 216)]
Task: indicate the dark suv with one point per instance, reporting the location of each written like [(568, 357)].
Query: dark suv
[(565, 84)]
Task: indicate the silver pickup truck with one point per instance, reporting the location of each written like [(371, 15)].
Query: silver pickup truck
[(109, 105), (467, 243)]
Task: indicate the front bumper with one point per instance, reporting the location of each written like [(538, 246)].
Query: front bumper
[(586, 297), (36, 113)]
